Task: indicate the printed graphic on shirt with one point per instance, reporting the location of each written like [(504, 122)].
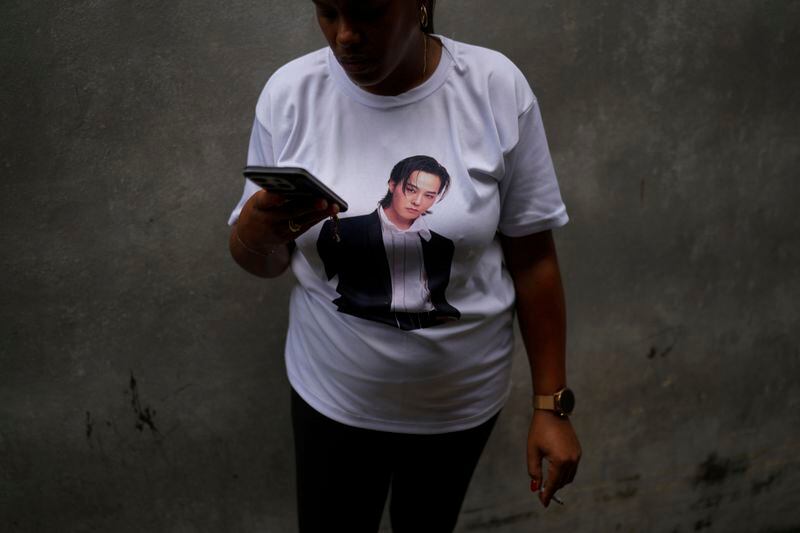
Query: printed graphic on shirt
[(391, 267)]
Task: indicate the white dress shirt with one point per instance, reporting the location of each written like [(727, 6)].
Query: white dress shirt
[(410, 292)]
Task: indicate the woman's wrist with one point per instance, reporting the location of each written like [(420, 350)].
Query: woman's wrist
[(264, 263), (252, 250)]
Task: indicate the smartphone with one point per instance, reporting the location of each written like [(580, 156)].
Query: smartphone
[(292, 183)]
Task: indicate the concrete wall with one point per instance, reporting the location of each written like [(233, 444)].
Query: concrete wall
[(142, 386)]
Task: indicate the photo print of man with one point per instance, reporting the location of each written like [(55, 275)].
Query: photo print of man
[(391, 267)]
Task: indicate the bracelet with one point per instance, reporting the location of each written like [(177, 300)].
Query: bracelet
[(262, 254)]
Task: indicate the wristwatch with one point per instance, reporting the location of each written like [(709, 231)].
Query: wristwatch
[(562, 402)]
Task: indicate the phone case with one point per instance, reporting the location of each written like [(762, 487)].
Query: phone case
[(291, 183)]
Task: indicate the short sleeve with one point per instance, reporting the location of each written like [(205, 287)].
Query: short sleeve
[(530, 199), (259, 153)]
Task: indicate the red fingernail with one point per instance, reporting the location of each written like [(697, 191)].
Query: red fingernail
[(534, 485)]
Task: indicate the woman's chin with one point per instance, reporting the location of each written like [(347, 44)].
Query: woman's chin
[(362, 74), (365, 80), (372, 81)]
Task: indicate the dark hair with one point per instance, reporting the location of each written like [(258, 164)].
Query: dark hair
[(430, 4), (402, 172)]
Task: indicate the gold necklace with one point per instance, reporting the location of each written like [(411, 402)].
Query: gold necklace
[(424, 56)]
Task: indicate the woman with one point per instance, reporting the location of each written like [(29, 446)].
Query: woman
[(377, 406)]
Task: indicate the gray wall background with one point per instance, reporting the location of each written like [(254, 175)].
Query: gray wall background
[(142, 385)]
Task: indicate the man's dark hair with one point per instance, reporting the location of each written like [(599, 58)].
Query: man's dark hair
[(402, 172)]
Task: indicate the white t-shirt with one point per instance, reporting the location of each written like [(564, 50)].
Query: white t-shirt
[(349, 353)]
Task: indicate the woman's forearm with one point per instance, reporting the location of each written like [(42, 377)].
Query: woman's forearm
[(541, 311)]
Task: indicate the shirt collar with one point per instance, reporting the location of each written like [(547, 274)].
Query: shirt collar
[(415, 94), (419, 226)]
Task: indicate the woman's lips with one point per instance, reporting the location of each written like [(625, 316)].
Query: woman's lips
[(355, 64)]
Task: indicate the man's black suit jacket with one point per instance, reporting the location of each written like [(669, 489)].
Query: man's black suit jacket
[(365, 284)]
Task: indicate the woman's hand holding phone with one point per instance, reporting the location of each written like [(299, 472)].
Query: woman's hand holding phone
[(261, 240), (268, 220), (290, 201)]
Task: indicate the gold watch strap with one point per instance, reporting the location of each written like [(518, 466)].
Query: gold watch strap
[(544, 401)]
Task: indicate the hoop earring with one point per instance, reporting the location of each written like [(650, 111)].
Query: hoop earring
[(423, 16)]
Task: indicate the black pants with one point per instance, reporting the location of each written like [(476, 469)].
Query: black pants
[(344, 474)]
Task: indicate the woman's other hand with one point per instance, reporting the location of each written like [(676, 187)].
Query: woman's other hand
[(533, 264), (552, 439)]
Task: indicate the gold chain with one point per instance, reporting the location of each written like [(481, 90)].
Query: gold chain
[(425, 56)]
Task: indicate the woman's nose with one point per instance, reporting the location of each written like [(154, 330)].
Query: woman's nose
[(346, 34)]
